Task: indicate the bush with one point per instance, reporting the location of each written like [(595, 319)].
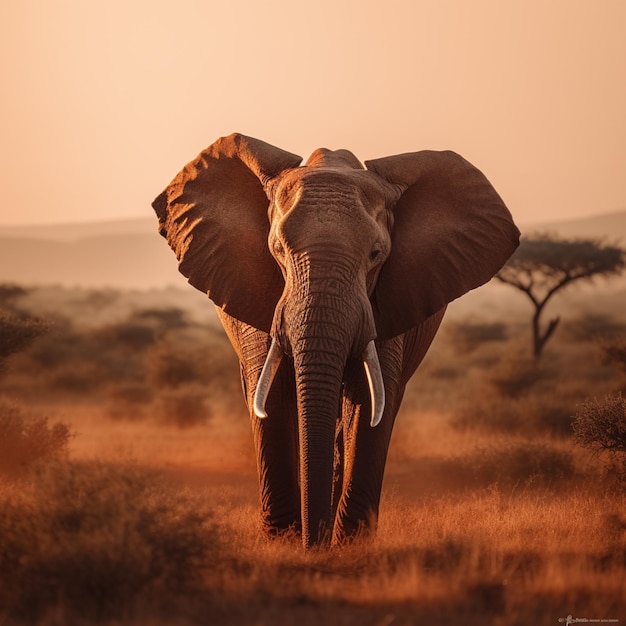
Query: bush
[(143, 328), (57, 348), (540, 414), (26, 442), (600, 425), (17, 332), (615, 353), (164, 319), (96, 541), (595, 326), (129, 336), (516, 378), (130, 400), (469, 336), (171, 365), (9, 294), (127, 362), (82, 362), (525, 462), (184, 406)]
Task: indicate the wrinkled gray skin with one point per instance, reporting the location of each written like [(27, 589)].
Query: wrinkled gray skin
[(324, 259)]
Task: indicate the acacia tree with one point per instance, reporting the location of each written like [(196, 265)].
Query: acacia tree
[(543, 265)]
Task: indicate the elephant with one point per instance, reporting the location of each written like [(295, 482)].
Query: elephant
[(331, 279)]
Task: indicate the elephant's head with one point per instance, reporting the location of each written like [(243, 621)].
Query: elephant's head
[(327, 257)]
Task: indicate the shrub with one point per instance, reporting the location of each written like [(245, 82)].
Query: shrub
[(9, 294), (171, 365), (17, 332), (184, 406), (143, 328), (130, 400), (26, 442), (81, 362), (165, 318), (537, 413), (469, 336), (490, 413), (594, 326), (129, 335), (600, 425), (56, 348), (615, 353), (521, 462), (95, 541), (515, 378)]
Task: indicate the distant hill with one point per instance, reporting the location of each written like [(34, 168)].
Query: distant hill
[(74, 256), (611, 226), (76, 231), (130, 254)]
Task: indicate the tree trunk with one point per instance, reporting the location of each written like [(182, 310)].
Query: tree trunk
[(540, 339)]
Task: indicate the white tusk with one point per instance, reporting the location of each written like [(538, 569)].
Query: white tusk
[(268, 373), (375, 382)]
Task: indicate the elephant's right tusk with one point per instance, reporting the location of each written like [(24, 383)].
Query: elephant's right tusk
[(268, 373), (375, 382)]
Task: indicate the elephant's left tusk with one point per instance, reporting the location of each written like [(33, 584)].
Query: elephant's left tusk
[(375, 382), (268, 373)]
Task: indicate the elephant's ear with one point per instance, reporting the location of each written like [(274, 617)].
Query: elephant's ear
[(214, 217), (452, 233)]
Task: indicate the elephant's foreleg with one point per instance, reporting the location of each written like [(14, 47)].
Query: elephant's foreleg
[(357, 513), (276, 447), (276, 436), (366, 446)]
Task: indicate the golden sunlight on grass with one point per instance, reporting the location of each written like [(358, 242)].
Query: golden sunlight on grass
[(133, 498), (479, 555)]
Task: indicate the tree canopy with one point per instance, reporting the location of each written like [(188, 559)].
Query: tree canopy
[(544, 264)]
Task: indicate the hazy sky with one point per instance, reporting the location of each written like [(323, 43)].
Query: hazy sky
[(103, 102)]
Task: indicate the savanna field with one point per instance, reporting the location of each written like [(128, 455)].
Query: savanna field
[(128, 483)]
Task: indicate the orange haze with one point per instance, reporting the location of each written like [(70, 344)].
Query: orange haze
[(104, 102)]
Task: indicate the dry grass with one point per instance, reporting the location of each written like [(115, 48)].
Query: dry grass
[(28, 441), (491, 513), (481, 557), (98, 541)]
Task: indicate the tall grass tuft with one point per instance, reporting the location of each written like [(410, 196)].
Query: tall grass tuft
[(27, 441), (99, 542)]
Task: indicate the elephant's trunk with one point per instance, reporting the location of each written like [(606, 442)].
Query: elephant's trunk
[(322, 339), (319, 375)]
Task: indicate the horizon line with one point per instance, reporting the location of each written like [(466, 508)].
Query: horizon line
[(96, 221)]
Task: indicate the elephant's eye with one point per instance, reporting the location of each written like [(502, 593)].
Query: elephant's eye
[(375, 254)]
